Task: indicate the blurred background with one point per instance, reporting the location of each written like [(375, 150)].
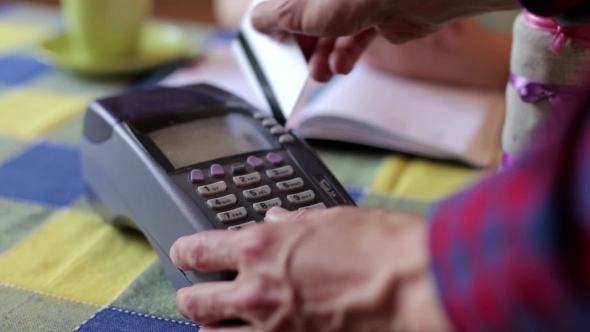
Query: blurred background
[(193, 10), (203, 11)]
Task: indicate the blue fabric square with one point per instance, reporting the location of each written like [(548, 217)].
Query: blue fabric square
[(116, 320), (47, 174), (18, 69), (5, 8), (358, 194)]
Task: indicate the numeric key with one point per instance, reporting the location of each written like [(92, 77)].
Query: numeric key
[(258, 193), (212, 189), (294, 184), (222, 202), (247, 180), (301, 198), (233, 215), (280, 173), (263, 207)]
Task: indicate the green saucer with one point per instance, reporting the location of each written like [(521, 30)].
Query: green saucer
[(159, 44)]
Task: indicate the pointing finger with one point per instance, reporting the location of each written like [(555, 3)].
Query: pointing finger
[(348, 50), (208, 303), (209, 251), (320, 67)]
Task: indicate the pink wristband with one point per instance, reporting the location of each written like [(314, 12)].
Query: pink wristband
[(581, 34)]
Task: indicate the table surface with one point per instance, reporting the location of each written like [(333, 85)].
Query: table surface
[(62, 268)]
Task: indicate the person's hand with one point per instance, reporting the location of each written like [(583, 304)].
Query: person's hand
[(345, 28), (341, 269)]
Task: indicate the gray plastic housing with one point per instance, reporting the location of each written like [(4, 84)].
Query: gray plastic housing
[(129, 188)]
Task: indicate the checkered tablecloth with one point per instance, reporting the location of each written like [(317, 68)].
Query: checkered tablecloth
[(61, 267)]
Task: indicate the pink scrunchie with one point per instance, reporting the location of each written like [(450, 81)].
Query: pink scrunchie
[(581, 34)]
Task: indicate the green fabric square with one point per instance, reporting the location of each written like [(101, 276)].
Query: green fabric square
[(19, 220), (84, 206), (352, 165), (70, 132), (8, 147), (151, 293), (68, 83), (396, 203), (23, 311), (3, 87)]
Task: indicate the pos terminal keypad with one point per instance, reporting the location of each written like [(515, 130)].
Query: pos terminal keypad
[(241, 192)]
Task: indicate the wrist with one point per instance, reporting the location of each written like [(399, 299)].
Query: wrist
[(417, 303)]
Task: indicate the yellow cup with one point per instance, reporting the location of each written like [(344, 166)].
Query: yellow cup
[(105, 28)]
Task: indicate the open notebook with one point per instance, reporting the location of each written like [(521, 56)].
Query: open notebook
[(372, 108)]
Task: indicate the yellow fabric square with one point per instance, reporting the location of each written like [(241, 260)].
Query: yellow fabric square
[(78, 257), (388, 174), (16, 35), (431, 181), (28, 113)]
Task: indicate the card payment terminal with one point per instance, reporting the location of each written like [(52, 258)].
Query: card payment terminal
[(171, 162)]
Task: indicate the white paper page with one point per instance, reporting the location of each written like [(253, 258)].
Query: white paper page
[(444, 118), (282, 62), (219, 68)]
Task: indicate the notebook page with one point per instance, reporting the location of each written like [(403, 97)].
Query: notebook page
[(443, 118)]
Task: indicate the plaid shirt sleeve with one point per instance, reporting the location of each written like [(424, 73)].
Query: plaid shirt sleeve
[(513, 253)]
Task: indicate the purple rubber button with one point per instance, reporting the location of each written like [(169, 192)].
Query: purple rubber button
[(255, 162), (217, 171), (197, 176), (275, 159)]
